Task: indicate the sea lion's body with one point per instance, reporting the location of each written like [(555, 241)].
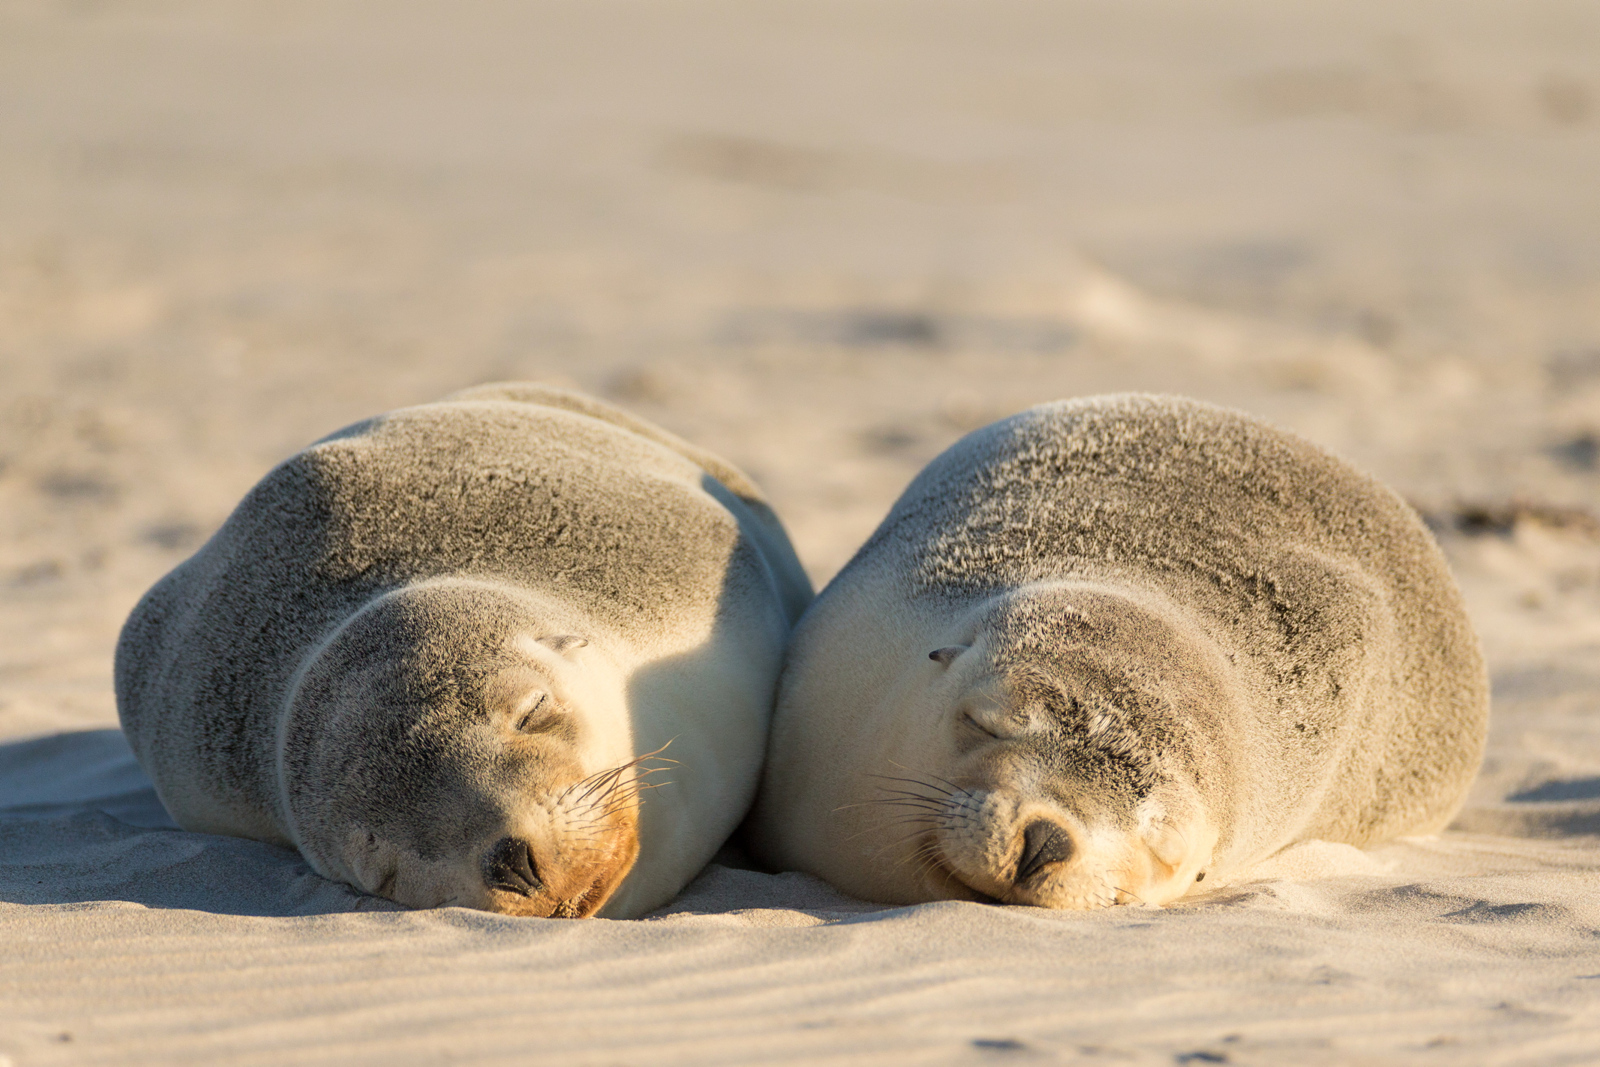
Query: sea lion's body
[(1105, 648), (432, 636)]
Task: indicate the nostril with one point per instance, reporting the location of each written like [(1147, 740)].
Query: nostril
[(1043, 843), (509, 866)]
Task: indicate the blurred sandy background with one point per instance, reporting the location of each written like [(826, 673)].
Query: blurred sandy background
[(822, 238)]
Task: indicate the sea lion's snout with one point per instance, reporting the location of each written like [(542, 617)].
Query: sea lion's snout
[(509, 867), (1017, 845), (565, 857), (1044, 844), (560, 886), (1011, 848)]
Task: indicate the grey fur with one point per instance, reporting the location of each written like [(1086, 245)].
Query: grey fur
[(1187, 626), (326, 665)]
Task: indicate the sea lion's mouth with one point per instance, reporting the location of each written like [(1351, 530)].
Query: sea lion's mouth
[(543, 905), (952, 885), (581, 907), (964, 890), (978, 895)]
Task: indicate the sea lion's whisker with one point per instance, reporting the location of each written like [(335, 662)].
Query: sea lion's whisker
[(602, 782), (945, 781), (1125, 892), (926, 779), (898, 843), (910, 857), (915, 796), (913, 818), (911, 781), (927, 848), (904, 809), (597, 811), (927, 860), (946, 791), (913, 811), (912, 798), (937, 791), (923, 824), (857, 804), (927, 822)]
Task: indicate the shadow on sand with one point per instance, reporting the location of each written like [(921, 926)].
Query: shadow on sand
[(80, 822)]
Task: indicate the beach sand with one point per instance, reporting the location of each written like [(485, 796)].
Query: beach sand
[(823, 239)]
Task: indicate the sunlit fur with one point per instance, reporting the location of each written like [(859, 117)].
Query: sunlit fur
[(441, 698), (1108, 647), (1074, 722), (444, 653), (585, 837)]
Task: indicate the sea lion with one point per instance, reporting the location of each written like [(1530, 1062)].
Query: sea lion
[(433, 650), (1107, 648)]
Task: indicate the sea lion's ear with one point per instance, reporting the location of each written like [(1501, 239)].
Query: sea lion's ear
[(563, 643), (943, 656)]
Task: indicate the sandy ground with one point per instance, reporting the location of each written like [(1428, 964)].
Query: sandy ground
[(823, 239)]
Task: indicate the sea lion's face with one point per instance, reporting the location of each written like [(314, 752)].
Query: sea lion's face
[(484, 778), (1056, 763)]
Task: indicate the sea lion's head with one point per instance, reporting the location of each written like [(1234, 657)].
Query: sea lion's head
[(1057, 755), (449, 745)]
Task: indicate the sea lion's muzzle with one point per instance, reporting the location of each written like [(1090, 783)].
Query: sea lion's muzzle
[(567, 871), (509, 867), (1002, 847)]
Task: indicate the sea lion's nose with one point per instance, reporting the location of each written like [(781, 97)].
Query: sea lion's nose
[(1043, 843), (509, 866)]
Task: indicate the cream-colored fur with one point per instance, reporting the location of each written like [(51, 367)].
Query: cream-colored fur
[(1109, 647), (455, 628)]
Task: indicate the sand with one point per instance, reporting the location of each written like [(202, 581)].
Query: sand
[(823, 239)]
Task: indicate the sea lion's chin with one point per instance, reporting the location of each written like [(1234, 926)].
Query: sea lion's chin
[(1086, 883), (1123, 871)]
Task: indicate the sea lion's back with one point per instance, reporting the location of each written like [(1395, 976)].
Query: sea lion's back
[(1325, 578), (494, 489)]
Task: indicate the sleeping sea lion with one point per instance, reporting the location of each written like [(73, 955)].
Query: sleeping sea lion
[(436, 651), (1107, 648)]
